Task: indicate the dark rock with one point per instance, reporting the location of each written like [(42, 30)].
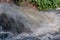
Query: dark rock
[(9, 24)]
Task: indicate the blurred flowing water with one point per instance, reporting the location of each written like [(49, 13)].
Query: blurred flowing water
[(15, 24)]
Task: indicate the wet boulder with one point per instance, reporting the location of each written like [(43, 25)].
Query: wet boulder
[(10, 25)]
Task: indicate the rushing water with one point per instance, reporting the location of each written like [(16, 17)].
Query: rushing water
[(18, 25)]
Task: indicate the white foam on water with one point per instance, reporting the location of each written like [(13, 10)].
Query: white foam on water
[(46, 23)]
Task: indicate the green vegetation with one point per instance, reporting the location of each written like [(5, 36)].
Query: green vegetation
[(44, 4), (58, 3)]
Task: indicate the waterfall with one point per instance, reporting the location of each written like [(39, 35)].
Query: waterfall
[(15, 24)]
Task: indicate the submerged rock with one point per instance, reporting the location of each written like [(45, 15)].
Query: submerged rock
[(8, 24), (11, 21)]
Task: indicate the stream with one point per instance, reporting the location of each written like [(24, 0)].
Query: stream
[(17, 24)]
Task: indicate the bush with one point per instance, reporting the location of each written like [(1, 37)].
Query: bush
[(58, 3), (42, 4), (45, 4)]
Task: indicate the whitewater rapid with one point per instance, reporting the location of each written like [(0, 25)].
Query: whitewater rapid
[(15, 24)]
